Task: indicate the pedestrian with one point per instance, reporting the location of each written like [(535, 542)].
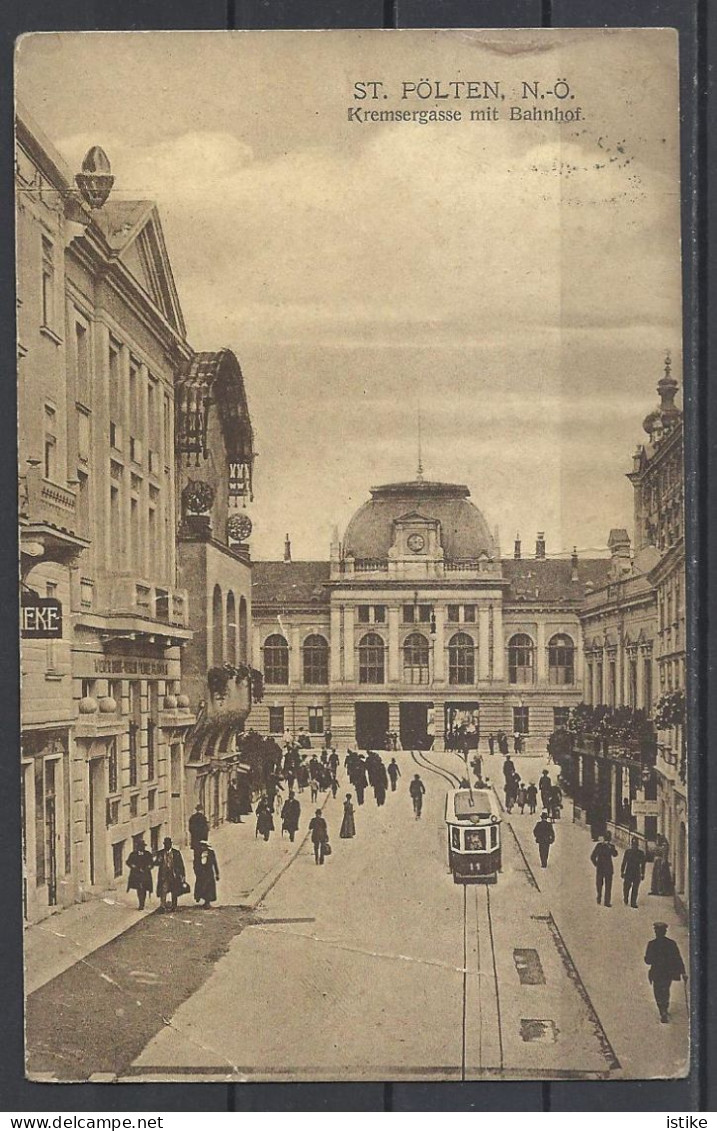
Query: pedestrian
[(319, 836), (522, 797), (394, 773), (555, 802), (333, 762), (139, 862), (666, 966), (516, 743), (544, 836), (661, 883), (264, 819), (334, 786), (328, 737), (380, 783), (509, 798), (491, 743), (602, 857), (348, 825), (417, 789), (206, 873), (198, 827), (632, 871), (171, 875), (360, 779), (508, 768), (314, 786), (290, 813), (531, 795), (545, 786)]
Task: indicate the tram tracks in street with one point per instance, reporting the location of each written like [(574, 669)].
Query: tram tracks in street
[(481, 1024)]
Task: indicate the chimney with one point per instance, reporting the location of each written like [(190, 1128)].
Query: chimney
[(540, 546), (496, 544), (516, 551), (574, 565), (287, 549)]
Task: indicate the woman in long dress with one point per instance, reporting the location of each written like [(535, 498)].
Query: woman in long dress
[(661, 876), (206, 871), (348, 825), (264, 819)]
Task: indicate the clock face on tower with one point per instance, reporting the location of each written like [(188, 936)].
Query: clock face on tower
[(415, 543)]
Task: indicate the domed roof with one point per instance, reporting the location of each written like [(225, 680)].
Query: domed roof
[(464, 531)]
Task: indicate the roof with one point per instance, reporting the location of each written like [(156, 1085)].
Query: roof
[(532, 579), (464, 531), (118, 220), (289, 583)]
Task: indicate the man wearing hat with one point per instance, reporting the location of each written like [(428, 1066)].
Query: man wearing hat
[(666, 966), (198, 827), (544, 837)]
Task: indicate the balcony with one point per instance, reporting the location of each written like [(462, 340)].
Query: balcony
[(126, 603)]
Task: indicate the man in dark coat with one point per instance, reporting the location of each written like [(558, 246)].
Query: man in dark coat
[(491, 743), (206, 871), (139, 862), (602, 857), (394, 773), (545, 786), (666, 966), (544, 836), (360, 779), (198, 827), (319, 836), (632, 871), (171, 877), (290, 813)]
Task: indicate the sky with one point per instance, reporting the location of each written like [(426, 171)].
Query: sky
[(517, 282)]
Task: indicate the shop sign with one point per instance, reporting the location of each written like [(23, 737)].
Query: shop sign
[(644, 808), (40, 618)]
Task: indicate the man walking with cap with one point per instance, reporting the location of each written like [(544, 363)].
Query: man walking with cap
[(632, 871), (666, 966)]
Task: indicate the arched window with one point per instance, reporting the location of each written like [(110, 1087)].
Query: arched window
[(276, 659), (415, 659), (561, 660), (231, 628), (217, 628), (461, 659), (243, 631), (520, 659), (371, 658), (316, 660)]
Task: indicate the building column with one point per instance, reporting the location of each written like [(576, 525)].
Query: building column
[(336, 643), (498, 643), (579, 661), (439, 645), (349, 657), (483, 642), (540, 654), (394, 667)]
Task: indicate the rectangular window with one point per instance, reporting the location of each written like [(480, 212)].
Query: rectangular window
[(118, 859), (152, 528), (134, 805), (276, 720), (316, 720), (612, 690), (647, 683), (153, 708), (409, 614), (469, 613), (363, 613), (113, 808), (50, 451), (521, 720), (112, 768), (83, 435), (151, 800), (379, 614), (115, 382), (424, 613), (48, 283), (82, 362), (560, 717), (134, 534), (632, 684), (453, 614), (154, 838)]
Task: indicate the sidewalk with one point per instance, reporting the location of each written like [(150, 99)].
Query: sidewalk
[(249, 868), (607, 945)]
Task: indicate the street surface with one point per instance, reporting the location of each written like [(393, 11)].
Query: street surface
[(376, 965)]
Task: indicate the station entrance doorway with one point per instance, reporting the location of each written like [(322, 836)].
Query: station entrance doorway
[(416, 725), (371, 725)]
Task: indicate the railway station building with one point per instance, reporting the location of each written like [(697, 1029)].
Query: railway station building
[(416, 626)]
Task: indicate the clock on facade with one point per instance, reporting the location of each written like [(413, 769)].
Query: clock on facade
[(415, 543), (239, 527)]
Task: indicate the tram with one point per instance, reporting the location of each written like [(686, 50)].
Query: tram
[(473, 825)]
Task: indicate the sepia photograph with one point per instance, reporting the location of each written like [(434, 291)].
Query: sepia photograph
[(353, 652)]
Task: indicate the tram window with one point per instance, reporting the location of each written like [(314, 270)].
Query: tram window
[(455, 838), (493, 836), (475, 840)]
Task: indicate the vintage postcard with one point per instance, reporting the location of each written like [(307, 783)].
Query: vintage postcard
[(353, 569)]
